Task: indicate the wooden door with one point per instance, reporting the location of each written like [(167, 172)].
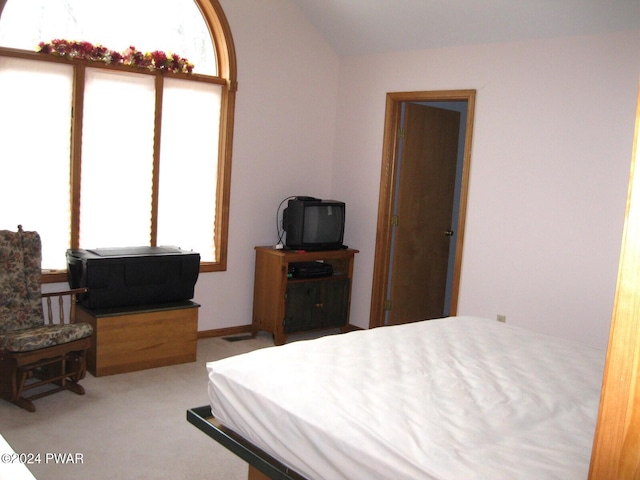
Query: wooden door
[(423, 236)]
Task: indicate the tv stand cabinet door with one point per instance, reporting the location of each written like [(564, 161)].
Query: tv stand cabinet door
[(333, 305), (301, 305), (315, 305)]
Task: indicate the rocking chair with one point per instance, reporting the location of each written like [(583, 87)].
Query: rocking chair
[(43, 356)]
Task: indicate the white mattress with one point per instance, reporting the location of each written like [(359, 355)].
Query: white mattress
[(456, 398)]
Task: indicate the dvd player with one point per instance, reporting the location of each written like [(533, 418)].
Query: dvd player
[(310, 270)]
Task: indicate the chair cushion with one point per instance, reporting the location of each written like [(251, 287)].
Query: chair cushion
[(29, 339), (20, 297)]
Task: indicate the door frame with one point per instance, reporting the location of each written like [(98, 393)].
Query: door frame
[(387, 193)]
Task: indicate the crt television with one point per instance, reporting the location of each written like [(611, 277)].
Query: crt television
[(314, 224)]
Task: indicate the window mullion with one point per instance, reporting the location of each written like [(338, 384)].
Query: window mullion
[(157, 133), (77, 114)]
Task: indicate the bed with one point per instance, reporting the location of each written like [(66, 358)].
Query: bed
[(460, 397)]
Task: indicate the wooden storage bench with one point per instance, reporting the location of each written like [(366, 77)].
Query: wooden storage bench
[(129, 339)]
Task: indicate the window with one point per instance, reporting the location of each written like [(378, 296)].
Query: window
[(97, 155)]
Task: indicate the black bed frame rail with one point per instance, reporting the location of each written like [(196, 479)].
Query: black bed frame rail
[(202, 418)]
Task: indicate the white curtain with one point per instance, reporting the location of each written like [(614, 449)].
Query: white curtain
[(35, 138), (117, 159), (188, 166)]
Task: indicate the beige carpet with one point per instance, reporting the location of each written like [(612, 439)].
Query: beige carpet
[(129, 426)]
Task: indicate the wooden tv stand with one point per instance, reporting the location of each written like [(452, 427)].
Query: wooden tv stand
[(283, 305), (129, 339)]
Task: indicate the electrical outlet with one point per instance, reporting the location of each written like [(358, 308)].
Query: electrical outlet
[(502, 318)]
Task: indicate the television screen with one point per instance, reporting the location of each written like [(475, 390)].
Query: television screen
[(322, 224)]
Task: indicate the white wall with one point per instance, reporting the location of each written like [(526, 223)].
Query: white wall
[(549, 170)]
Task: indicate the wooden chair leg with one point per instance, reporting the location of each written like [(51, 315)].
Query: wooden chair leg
[(26, 404), (75, 388), (21, 378)]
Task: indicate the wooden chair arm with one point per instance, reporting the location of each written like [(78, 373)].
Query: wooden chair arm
[(72, 293)]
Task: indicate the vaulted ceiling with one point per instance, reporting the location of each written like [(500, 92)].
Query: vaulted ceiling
[(357, 27)]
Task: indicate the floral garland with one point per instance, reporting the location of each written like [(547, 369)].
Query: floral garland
[(155, 60)]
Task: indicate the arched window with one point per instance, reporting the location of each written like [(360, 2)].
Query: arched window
[(106, 152)]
